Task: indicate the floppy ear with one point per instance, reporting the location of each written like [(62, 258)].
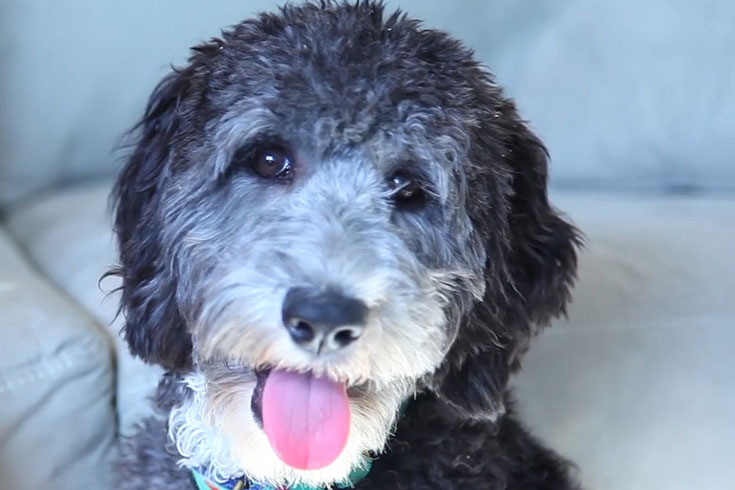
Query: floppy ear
[(153, 327), (543, 258), (530, 268)]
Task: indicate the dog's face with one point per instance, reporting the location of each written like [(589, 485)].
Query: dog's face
[(331, 192)]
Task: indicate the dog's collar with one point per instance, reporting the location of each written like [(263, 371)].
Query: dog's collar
[(201, 482)]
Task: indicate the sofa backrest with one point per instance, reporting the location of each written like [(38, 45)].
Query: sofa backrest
[(76, 75), (626, 94)]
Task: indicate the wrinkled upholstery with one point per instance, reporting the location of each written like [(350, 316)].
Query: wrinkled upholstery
[(79, 219), (56, 384)]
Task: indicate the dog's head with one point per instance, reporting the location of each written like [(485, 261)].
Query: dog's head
[(342, 194)]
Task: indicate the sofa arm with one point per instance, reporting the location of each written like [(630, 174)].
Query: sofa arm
[(57, 417)]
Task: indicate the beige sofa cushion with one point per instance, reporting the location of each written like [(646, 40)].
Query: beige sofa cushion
[(637, 386), (57, 423), (68, 235)]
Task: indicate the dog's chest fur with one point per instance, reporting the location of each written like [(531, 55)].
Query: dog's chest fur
[(428, 452)]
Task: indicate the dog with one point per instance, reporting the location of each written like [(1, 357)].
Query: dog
[(335, 237)]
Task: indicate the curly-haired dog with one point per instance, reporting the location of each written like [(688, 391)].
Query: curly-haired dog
[(335, 236)]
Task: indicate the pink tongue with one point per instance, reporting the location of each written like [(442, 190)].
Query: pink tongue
[(306, 419)]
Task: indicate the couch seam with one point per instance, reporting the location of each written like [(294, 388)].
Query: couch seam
[(12, 381)]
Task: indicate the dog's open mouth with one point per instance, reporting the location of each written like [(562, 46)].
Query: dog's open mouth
[(305, 417)]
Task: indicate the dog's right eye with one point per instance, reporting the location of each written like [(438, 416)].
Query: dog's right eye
[(269, 162), (272, 162)]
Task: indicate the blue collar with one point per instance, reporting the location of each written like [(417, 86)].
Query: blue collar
[(201, 482)]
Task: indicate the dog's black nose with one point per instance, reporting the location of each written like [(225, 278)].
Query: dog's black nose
[(323, 321)]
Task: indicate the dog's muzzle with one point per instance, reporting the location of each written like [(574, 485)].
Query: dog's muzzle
[(307, 417)]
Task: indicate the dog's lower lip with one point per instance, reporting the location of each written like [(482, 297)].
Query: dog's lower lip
[(256, 401)]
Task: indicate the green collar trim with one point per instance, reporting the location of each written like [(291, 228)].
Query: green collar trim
[(201, 482)]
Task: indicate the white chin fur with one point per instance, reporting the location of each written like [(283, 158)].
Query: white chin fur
[(216, 432)]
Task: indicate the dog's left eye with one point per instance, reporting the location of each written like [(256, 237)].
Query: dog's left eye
[(270, 162), (406, 189)]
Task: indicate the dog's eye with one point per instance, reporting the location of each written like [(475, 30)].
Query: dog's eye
[(271, 162), (406, 190)]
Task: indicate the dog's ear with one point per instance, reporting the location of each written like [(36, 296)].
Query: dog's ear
[(153, 327), (543, 245), (530, 267)]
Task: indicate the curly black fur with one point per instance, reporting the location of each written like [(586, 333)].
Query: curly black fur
[(431, 450), (455, 434)]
